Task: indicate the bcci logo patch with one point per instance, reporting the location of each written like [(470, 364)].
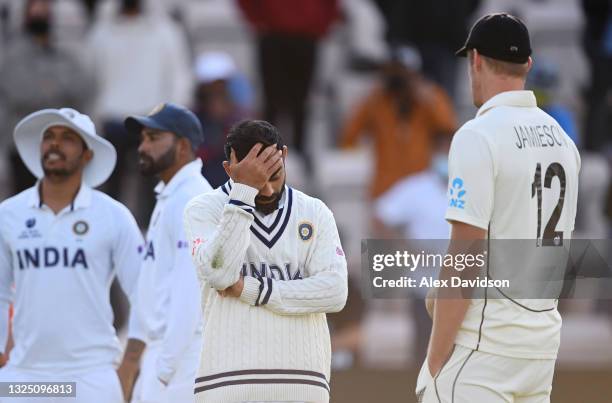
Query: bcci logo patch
[(80, 227), (30, 223), (305, 231)]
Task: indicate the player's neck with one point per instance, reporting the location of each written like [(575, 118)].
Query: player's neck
[(167, 174), (57, 194), (502, 84)]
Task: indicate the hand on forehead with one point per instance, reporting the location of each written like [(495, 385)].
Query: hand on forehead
[(259, 152)]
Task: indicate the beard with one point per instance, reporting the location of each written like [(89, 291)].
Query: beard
[(149, 167), (68, 170), (269, 204)]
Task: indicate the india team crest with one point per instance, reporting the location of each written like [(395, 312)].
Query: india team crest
[(80, 227), (305, 231)]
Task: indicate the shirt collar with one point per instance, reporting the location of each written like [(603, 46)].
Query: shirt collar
[(187, 171), (509, 98), (81, 200), (35, 197), (283, 200)]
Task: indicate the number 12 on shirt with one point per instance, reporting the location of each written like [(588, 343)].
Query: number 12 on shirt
[(551, 237)]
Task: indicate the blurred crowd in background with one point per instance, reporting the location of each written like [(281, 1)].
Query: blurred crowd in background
[(367, 93)]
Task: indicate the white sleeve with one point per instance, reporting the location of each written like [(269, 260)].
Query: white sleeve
[(323, 291), (6, 291), (471, 179), (218, 244), (393, 207), (127, 259), (184, 312)]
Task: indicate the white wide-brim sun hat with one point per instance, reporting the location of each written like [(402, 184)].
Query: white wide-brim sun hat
[(28, 136)]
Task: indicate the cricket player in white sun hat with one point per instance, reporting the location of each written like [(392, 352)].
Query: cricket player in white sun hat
[(61, 244)]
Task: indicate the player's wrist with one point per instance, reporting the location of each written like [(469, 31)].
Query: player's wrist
[(133, 353), (250, 290), (436, 359), (433, 366), (243, 193), (254, 183)]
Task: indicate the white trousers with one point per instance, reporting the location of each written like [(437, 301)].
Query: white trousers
[(98, 385), (149, 389), (475, 377)]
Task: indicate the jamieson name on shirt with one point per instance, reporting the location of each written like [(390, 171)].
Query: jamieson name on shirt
[(538, 136)]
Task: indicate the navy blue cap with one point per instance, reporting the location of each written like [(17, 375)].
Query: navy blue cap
[(500, 36), (169, 117)]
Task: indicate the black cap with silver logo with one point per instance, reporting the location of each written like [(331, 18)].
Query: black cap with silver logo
[(499, 36)]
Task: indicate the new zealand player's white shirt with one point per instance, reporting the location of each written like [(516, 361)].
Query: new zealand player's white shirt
[(169, 296), (514, 171), (272, 343), (62, 267)]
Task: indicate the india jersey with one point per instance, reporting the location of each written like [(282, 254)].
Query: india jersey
[(514, 171), (272, 343), (58, 269), (168, 302)]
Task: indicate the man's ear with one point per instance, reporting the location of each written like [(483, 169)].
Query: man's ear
[(185, 147), (232, 160), (88, 155), (476, 60), (285, 152), (529, 64), (226, 166)]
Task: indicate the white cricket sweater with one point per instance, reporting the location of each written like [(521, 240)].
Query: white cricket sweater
[(272, 343)]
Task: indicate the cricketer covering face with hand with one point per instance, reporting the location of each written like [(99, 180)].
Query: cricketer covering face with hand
[(271, 266)]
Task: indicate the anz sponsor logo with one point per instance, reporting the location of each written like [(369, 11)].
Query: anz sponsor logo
[(272, 271), (50, 257), (457, 194)]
